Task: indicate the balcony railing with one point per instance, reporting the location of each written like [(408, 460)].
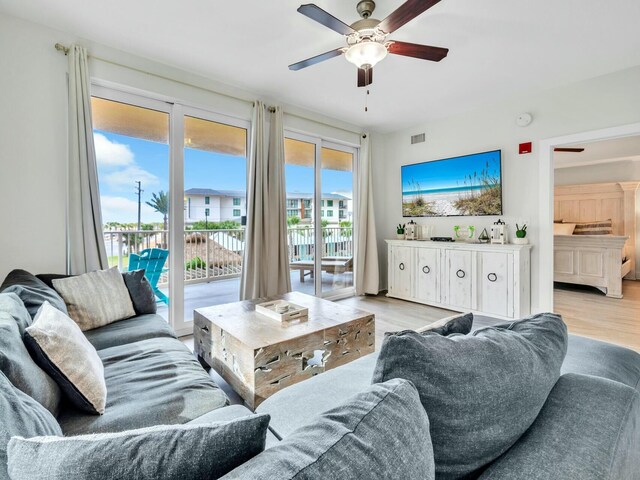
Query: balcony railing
[(218, 254)]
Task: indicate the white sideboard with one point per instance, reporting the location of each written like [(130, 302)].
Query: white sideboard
[(481, 278)]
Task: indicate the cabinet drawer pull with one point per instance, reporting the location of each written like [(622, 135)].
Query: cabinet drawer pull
[(460, 274), (426, 269), (401, 266), (492, 277)]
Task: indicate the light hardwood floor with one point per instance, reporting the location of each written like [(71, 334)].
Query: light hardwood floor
[(589, 313)]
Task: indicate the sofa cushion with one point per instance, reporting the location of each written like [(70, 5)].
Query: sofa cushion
[(232, 412), (140, 291), (32, 291), (482, 391), (21, 415), (15, 361), (380, 433), (457, 324), (60, 348), (96, 298), (589, 429), (298, 404), (151, 382), (593, 357), (154, 453), (142, 327), (13, 306)]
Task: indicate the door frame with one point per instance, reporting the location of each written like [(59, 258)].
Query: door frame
[(545, 218)]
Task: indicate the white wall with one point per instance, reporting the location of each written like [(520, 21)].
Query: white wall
[(33, 130), (589, 105)]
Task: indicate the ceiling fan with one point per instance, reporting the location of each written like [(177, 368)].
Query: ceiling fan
[(366, 38)]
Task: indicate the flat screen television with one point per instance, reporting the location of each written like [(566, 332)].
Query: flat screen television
[(470, 185)]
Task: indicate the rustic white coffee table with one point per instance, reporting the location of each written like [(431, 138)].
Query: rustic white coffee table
[(258, 355)]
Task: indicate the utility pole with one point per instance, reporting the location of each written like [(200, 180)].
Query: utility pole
[(139, 192)]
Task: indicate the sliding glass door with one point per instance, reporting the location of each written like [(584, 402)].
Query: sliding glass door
[(320, 215)]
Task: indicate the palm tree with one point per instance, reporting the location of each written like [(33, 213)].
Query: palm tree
[(160, 203)]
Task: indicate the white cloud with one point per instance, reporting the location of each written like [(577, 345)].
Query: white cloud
[(124, 210), (111, 154), (125, 178)]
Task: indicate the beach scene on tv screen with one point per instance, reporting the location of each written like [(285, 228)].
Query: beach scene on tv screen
[(469, 185)]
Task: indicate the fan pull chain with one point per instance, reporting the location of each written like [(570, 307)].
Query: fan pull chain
[(366, 101)]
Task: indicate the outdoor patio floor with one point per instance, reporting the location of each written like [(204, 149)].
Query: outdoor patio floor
[(198, 295)]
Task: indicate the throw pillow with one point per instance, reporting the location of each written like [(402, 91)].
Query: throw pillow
[(599, 227), (21, 415), (15, 361), (563, 228), (61, 349), (458, 324), (155, 453), (481, 391), (140, 291), (96, 298), (32, 291), (380, 433)]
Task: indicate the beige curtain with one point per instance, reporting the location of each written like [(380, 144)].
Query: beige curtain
[(366, 260), (85, 242), (265, 271)]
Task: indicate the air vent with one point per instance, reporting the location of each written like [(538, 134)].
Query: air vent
[(421, 137)]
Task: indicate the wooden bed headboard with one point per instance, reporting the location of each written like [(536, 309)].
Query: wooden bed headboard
[(600, 201)]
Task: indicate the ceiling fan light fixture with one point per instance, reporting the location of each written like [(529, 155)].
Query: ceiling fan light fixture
[(366, 54)]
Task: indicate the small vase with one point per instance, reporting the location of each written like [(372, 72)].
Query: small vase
[(520, 241), (400, 236)]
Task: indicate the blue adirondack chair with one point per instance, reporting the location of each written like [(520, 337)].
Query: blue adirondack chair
[(152, 260)]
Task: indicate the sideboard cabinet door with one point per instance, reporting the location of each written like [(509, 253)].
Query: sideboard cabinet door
[(401, 271), (459, 273), (495, 279), (427, 275)]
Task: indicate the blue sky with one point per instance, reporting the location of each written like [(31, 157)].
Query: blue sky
[(122, 160), (449, 173)]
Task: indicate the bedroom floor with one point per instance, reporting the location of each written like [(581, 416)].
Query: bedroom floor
[(588, 312)]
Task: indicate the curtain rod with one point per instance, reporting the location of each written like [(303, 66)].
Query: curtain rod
[(62, 48)]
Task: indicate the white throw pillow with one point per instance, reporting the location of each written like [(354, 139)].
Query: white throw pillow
[(60, 348), (96, 299), (563, 228)]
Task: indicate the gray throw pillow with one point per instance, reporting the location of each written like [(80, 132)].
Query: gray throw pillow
[(459, 324), (380, 433), (60, 348), (32, 291), (482, 391), (21, 415), (96, 299), (155, 453), (140, 291), (15, 361)]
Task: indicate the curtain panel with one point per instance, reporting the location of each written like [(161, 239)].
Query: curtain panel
[(85, 243), (265, 271), (367, 275)]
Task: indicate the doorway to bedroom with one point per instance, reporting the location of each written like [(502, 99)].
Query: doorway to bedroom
[(596, 247)]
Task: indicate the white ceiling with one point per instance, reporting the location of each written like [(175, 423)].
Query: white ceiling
[(604, 151), (497, 48)]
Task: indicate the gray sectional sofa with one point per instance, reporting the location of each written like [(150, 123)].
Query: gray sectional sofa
[(589, 427)]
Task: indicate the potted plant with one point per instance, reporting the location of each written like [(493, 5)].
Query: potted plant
[(521, 235), (400, 231)]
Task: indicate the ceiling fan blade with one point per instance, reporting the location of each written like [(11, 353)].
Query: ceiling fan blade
[(424, 52), (405, 13), (568, 150), (319, 15), (365, 77), (317, 59)]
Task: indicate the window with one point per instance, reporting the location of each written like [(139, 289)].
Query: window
[(342, 214), (207, 200), (206, 212), (307, 213), (293, 213), (307, 203), (292, 203), (322, 203), (329, 213), (322, 213), (341, 204), (236, 202), (329, 203), (236, 212)]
